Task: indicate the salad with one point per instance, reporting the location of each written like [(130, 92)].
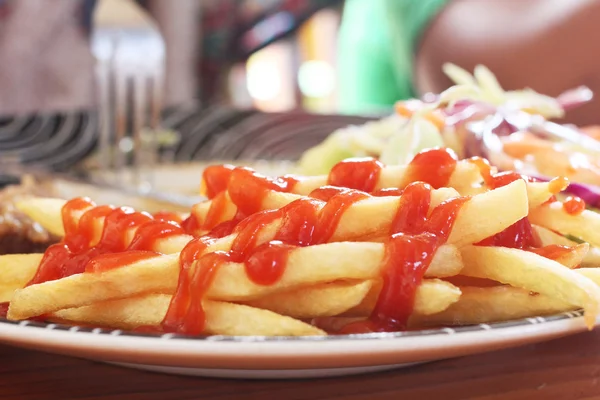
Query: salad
[(514, 130)]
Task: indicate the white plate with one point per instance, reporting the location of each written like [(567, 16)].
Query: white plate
[(274, 358)]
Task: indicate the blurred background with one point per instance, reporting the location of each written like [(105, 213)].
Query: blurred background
[(273, 55), (258, 79)]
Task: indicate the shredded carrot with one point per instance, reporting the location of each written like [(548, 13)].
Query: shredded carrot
[(408, 107), (437, 118)]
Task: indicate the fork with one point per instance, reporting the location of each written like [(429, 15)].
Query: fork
[(130, 63)]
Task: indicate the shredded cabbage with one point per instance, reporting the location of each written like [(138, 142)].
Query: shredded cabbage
[(396, 139)]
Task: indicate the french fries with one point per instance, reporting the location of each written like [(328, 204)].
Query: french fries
[(585, 226), (16, 270), (46, 212), (223, 318), (265, 274), (433, 296), (308, 265), (530, 271), (493, 304)]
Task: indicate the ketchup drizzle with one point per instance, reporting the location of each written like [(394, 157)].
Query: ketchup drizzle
[(553, 251), (215, 179), (356, 173), (433, 166), (247, 188), (409, 251), (77, 252)]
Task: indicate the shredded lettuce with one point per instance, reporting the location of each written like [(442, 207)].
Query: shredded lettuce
[(369, 139), (418, 134), (396, 139)]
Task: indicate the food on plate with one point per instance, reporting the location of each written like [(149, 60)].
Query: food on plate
[(24, 233), (365, 248), (514, 130), (18, 232)]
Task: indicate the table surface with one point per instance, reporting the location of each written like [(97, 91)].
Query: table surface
[(567, 368)]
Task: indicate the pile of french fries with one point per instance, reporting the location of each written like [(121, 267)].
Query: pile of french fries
[(327, 286)]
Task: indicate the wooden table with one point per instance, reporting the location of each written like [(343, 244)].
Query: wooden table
[(567, 368)]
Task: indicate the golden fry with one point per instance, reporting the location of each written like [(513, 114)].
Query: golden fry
[(534, 273), (548, 237), (433, 296), (305, 266), (321, 300), (221, 318), (46, 212), (16, 270), (585, 226), (479, 218), (494, 304), (155, 274), (540, 192)]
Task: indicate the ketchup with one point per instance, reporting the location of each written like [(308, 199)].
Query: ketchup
[(433, 166), (217, 208), (185, 313), (191, 225), (409, 252), (167, 216), (215, 179), (553, 251), (387, 192), (247, 188), (356, 173), (519, 235), (574, 205), (105, 262), (149, 232), (4, 309), (77, 252)]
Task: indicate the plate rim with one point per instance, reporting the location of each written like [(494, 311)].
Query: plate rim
[(292, 353)]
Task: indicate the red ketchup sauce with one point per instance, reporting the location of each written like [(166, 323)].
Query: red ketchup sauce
[(78, 253), (215, 179), (433, 166), (167, 216), (106, 262), (356, 173), (246, 188), (574, 205), (553, 251), (387, 192), (4, 309), (414, 240)]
